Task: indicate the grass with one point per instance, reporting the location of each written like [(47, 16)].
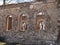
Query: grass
[(2, 43)]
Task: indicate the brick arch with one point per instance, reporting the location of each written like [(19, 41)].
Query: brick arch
[(39, 18), (45, 16), (8, 22), (23, 19)]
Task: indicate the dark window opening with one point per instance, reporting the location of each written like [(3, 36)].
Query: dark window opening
[(40, 22), (23, 23), (9, 22)]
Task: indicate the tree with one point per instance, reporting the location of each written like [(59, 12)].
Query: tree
[(3, 2)]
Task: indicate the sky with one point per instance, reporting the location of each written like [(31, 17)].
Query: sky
[(1, 2), (14, 1)]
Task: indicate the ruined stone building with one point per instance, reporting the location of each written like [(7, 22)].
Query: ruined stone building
[(30, 22)]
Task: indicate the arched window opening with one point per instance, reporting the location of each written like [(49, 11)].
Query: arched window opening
[(8, 23), (23, 22), (40, 22)]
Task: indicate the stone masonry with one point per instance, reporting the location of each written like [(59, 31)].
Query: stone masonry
[(32, 35)]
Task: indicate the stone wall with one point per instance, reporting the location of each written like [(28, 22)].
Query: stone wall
[(32, 34)]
